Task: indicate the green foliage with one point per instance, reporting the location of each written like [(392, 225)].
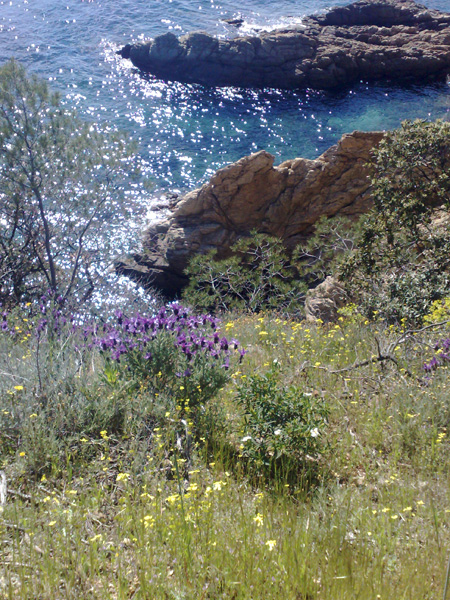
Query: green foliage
[(258, 276), (283, 427), (190, 382), (63, 201), (321, 254), (146, 374), (402, 261)]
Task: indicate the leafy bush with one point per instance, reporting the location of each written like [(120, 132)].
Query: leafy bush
[(173, 345), (322, 252), (402, 261), (283, 427)]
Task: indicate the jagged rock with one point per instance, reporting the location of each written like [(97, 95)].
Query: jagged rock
[(323, 301), (236, 21), (253, 194), (369, 40)]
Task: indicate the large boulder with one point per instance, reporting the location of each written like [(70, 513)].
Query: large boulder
[(323, 302), (253, 194), (369, 40)]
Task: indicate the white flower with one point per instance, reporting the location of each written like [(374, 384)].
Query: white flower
[(277, 432), (246, 438), (315, 432)]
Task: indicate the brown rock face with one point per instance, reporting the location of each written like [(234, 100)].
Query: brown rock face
[(252, 194), (370, 40)]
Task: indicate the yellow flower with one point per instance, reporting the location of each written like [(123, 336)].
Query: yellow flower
[(122, 477), (259, 520), (21, 453), (19, 388), (218, 485), (271, 544), (149, 521), (104, 434)]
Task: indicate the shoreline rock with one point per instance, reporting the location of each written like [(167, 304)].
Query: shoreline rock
[(253, 194), (366, 40)]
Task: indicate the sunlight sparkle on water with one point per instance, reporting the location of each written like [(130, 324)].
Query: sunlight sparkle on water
[(187, 132)]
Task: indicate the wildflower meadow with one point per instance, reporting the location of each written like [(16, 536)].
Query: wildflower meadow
[(176, 455)]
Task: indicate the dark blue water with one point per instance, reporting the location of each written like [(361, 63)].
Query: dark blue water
[(186, 132)]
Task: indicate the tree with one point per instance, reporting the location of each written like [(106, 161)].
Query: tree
[(63, 192), (257, 276), (402, 262)]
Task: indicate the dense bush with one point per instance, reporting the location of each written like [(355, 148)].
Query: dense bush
[(402, 261), (173, 352), (283, 427)]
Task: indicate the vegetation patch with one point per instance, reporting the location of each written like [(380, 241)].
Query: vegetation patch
[(173, 454)]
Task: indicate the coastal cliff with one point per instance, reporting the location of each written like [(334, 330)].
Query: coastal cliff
[(369, 40), (253, 194)]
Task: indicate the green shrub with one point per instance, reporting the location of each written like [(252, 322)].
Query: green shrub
[(322, 252), (402, 261), (283, 427)]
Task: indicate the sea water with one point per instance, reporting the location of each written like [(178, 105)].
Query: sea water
[(186, 132)]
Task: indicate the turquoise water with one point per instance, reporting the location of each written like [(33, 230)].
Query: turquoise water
[(186, 132)]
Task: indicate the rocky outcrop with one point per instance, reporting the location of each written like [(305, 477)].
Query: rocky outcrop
[(253, 194), (324, 301), (369, 40)]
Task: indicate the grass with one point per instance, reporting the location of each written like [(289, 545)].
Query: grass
[(107, 503)]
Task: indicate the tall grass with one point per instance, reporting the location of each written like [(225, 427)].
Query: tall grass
[(108, 500)]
